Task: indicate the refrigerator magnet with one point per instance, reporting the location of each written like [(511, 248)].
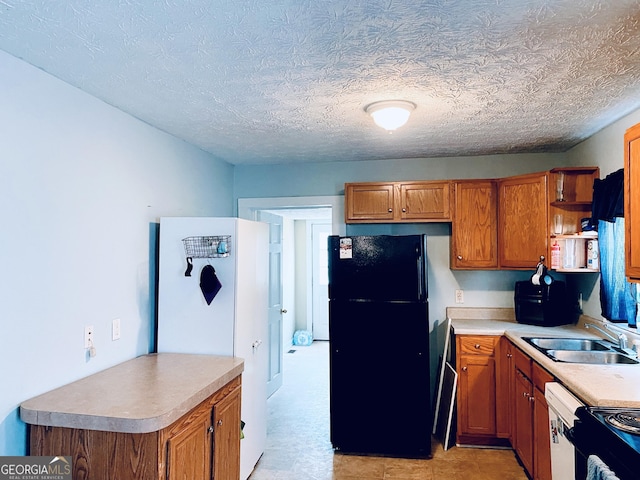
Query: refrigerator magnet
[(345, 248)]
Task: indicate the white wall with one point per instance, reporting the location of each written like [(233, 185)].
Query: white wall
[(82, 186)]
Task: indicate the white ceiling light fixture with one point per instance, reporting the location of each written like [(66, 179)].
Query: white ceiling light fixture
[(390, 114)]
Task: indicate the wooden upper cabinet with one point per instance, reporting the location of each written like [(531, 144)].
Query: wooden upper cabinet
[(632, 202), (523, 220), (474, 232), (389, 202), (425, 201), (369, 202)]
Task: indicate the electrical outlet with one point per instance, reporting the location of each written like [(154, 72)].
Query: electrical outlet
[(88, 336), (459, 296), (115, 329)]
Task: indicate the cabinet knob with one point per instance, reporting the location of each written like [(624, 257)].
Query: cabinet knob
[(210, 429), (390, 210), (477, 346), (219, 423), (509, 355), (459, 257), (464, 369), (284, 310), (404, 210)]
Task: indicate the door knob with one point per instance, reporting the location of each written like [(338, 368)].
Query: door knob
[(284, 310)]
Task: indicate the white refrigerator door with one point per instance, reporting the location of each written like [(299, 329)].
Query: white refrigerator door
[(234, 324)]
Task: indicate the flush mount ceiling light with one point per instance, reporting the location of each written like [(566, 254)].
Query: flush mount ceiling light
[(390, 114)]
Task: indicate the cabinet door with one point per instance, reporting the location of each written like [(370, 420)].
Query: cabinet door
[(474, 232), (226, 440), (523, 410), (522, 221), (504, 387), (632, 202), (541, 440), (189, 449), (424, 201), (476, 398), (369, 202)]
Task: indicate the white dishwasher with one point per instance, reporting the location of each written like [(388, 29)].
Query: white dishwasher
[(562, 407)]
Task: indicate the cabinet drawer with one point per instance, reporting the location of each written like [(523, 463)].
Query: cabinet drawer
[(523, 363), (480, 345), (540, 376)]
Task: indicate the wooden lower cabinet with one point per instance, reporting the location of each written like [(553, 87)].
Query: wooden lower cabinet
[(523, 411), (531, 436), (541, 441), (500, 400), (504, 389), (204, 444), (476, 396)]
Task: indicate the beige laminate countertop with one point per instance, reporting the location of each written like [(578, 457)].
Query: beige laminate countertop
[(596, 385), (142, 395)]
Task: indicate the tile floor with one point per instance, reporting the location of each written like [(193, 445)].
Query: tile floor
[(298, 446)]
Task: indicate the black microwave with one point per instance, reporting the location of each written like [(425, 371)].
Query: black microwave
[(543, 305)]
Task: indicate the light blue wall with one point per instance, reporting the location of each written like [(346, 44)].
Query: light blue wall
[(82, 187), (480, 288)]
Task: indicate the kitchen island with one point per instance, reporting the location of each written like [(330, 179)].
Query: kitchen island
[(158, 416)]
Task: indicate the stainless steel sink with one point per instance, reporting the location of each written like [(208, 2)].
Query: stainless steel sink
[(590, 356), (580, 350), (581, 344)]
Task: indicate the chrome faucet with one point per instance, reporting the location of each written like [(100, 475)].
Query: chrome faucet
[(621, 339)]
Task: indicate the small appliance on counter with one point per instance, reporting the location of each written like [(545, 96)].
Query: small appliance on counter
[(543, 301)]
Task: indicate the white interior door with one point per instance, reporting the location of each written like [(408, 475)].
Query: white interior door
[(276, 311), (320, 280)]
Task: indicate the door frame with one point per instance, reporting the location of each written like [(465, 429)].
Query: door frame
[(247, 207)]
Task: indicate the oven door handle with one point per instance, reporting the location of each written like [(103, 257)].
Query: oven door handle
[(580, 445)]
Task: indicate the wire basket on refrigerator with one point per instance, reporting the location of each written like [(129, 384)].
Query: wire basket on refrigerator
[(214, 246)]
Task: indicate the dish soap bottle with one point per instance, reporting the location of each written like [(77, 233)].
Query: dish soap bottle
[(555, 256)]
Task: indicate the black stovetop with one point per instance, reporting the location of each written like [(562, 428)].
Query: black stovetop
[(595, 434)]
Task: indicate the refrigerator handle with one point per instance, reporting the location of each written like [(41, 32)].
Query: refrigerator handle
[(421, 280)]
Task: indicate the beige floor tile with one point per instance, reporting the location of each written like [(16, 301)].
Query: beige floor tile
[(298, 445)]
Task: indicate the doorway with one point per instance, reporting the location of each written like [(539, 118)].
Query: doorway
[(306, 221)]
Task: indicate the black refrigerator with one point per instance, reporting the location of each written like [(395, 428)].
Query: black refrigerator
[(379, 344)]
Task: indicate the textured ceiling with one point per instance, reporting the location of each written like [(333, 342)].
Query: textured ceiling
[(278, 81)]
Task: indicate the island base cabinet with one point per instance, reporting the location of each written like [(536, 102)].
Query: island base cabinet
[(202, 445), (99, 455)]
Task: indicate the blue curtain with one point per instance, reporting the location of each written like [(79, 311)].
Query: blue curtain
[(619, 299)]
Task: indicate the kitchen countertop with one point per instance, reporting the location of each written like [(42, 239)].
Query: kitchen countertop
[(611, 385), (142, 395)]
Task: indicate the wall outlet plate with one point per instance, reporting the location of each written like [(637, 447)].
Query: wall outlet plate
[(115, 329), (88, 336), (459, 296)]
